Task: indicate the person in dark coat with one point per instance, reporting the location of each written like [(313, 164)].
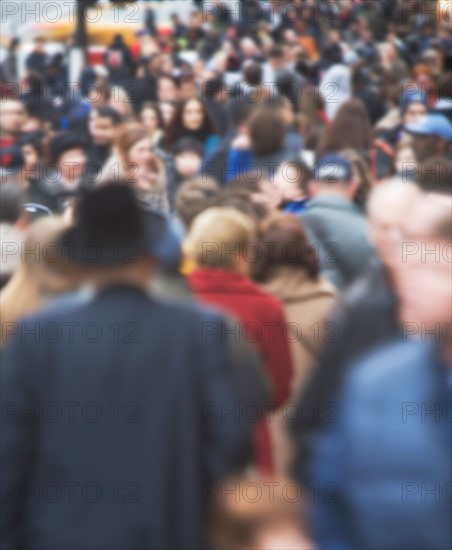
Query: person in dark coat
[(36, 61), (145, 437)]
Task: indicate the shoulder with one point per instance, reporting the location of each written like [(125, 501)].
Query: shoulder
[(388, 368)]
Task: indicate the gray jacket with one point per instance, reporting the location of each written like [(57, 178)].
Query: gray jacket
[(337, 229)]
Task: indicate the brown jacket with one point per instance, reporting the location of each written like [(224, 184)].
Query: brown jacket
[(306, 304)]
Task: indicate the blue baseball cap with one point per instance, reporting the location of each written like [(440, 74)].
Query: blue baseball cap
[(432, 124), (333, 168)]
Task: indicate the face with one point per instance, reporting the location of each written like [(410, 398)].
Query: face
[(193, 116), (268, 194), (71, 164), (12, 116), (414, 112), (101, 129), (141, 153), (167, 110), (425, 270), (32, 124), (187, 89), (167, 90), (188, 164), (150, 120)]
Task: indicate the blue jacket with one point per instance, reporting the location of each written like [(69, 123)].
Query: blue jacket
[(383, 468)]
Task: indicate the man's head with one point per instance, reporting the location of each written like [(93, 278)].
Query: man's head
[(333, 175), (267, 131), (194, 196), (252, 73), (167, 88), (68, 152), (40, 43), (432, 135), (435, 176), (12, 117), (188, 153), (388, 206), (425, 269), (113, 238), (291, 181), (103, 121)]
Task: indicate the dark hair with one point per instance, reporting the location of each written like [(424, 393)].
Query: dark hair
[(276, 52), (34, 139), (284, 230), (304, 174), (105, 111), (177, 130), (267, 131), (11, 199), (240, 200), (155, 107), (252, 73), (166, 76), (194, 196), (434, 176), (350, 129)]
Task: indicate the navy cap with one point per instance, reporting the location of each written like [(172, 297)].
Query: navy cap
[(333, 168), (432, 124)]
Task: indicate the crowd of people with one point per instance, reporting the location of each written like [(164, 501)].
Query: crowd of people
[(226, 283)]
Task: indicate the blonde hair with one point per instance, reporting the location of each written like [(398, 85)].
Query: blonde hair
[(41, 270), (218, 237)]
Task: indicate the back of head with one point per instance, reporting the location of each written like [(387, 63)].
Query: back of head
[(284, 243), (267, 131), (11, 200), (435, 175), (252, 73), (194, 196), (218, 238)]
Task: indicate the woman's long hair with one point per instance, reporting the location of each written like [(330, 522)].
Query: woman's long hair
[(127, 136), (177, 129), (350, 129)]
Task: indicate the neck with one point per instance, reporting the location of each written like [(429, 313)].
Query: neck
[(137, 275)]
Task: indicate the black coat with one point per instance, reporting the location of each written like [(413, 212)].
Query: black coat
[(142, 431)]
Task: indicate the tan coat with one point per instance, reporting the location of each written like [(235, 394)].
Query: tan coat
[(306, 304)]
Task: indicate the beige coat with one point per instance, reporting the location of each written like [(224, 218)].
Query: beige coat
[(306, 304)]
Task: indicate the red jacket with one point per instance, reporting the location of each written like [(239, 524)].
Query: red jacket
[(256, 311), (262, 322)]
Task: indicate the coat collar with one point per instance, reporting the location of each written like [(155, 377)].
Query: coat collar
[(220, 281), (332, 201)]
